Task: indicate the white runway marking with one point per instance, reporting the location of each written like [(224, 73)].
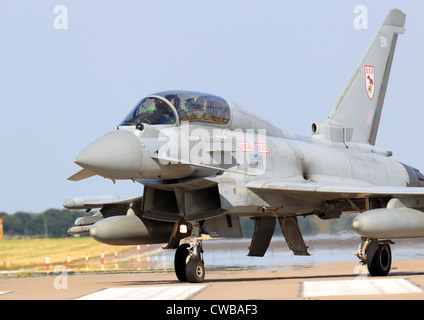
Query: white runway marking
[(358, 287), (144, 293)]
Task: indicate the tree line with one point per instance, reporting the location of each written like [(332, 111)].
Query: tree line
[(54, 223)]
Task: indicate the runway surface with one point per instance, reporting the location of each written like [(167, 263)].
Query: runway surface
[(338, 280)]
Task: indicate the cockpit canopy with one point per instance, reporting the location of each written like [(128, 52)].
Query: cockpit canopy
[(171, 106)]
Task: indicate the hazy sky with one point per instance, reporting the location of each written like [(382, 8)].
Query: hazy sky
[(289, 61)]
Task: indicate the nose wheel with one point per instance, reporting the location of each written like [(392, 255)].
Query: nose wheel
[(195, 271), (188, 262)]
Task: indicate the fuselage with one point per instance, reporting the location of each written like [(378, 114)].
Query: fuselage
[(173, 137)]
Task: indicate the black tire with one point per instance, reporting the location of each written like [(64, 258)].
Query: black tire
[(195, 271), (180, 262), (381, 261)]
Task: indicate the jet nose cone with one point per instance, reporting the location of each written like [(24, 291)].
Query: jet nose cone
[(116, 155)]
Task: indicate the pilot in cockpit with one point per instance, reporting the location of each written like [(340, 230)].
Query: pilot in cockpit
[(164, 113)]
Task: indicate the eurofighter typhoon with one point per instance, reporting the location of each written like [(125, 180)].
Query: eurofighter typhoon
[(205, 162)]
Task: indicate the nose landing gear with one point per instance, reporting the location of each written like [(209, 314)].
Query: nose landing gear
[(188, 263)]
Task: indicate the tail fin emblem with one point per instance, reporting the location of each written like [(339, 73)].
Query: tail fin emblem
[(370, 81)]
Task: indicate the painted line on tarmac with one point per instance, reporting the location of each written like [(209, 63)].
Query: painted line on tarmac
[(145, 293), (358, 287)]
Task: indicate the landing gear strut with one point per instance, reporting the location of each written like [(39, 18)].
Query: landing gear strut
[(188, 262), (376, 254)]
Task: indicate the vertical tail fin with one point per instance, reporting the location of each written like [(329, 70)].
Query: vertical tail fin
[(360, 105)]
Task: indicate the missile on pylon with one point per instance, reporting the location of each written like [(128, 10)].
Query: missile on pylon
[(77, 230)]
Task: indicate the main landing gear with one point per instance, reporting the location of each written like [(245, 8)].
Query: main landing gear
[(188, 263), (376, 254)]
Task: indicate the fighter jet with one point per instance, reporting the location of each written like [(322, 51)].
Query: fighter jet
[(205, 162)]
